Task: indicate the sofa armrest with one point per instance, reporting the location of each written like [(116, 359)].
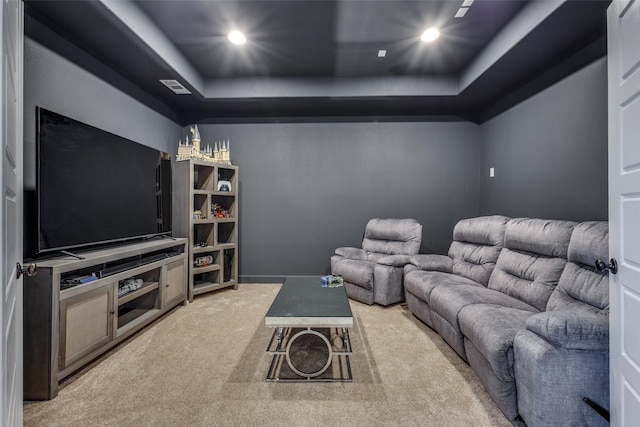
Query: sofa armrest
[(395, 260), (352, 253), (572, 329), (433, 263)]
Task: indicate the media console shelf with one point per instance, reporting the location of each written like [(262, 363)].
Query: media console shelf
[(76, 309)]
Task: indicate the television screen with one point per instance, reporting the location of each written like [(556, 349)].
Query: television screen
[(95, 187)]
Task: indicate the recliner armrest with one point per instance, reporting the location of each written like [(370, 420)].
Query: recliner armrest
[(572, 329), (395, 260), (433, 263), (352, 253)]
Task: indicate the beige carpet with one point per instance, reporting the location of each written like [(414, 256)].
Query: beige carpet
[(205, 365)]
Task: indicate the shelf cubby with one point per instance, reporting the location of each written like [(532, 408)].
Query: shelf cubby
[(226, 233), (147, 302), (228, 262), (201, 203), (225, 202), (204, 232), (203, 177)]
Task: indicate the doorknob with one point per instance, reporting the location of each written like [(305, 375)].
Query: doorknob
[(612, 266), (31, 270)]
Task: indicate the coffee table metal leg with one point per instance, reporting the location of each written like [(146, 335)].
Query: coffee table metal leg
[(309, 375), (278, 334), (340, 349)]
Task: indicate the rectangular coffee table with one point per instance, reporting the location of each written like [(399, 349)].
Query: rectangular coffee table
[(311, 330)]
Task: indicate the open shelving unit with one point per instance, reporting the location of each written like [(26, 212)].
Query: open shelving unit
[(213, 239)]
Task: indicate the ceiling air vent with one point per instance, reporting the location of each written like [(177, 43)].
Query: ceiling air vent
[(176, 87)]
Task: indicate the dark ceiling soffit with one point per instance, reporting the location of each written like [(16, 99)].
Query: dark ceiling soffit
[(323, 119), (492, 108), (42, 30)]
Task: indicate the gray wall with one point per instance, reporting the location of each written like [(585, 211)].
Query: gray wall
[(307, 188), (56, 84), (550, 152), (52, 82)]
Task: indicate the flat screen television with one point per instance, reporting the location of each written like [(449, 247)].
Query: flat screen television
[(94, 187)]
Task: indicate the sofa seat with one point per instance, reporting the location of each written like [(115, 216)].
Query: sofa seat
[(489, 332), (447, 302), (419, 284), (358, 272), (358, 278)]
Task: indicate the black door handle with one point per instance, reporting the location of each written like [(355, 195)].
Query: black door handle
[(612, 266)]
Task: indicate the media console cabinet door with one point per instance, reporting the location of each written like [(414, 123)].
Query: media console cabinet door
[(175, 283), (86, 323)]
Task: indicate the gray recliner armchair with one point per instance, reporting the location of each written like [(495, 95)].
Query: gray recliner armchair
[(374, 273)]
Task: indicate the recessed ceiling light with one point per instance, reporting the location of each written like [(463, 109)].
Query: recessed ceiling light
[(467, 3), (382, 53), (430, 35), (236, 37)]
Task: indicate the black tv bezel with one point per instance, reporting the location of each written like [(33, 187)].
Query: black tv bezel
[(39, 252)]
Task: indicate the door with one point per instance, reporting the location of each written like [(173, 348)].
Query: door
[(624, 208), (11, 212)]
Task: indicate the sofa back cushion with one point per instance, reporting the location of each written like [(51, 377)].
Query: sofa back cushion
[(476, 245), (392, 236), (581, 286), (531, 263)]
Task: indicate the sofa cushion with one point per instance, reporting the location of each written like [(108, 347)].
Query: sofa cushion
[(529, 277), (447, 302), (473, 261), (534, 255), (357, 272), (581, 287), (539, 236), (572, 329), (484, 230), (392, 236), (492, 329), (421, 283), (476, 246), (589, 242), (432, 262), (352, 253)]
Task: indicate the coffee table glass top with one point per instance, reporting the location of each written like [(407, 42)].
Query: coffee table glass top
[(301, 301)]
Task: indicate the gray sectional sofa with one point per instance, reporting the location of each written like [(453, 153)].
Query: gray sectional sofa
[(521, 302)]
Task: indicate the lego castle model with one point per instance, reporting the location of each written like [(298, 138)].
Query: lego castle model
[(219, 154)]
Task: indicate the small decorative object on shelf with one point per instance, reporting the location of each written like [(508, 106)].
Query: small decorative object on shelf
[(217, 211), (128, 285), (198, 215), (203, 261), (224, 186), (219, 154)]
